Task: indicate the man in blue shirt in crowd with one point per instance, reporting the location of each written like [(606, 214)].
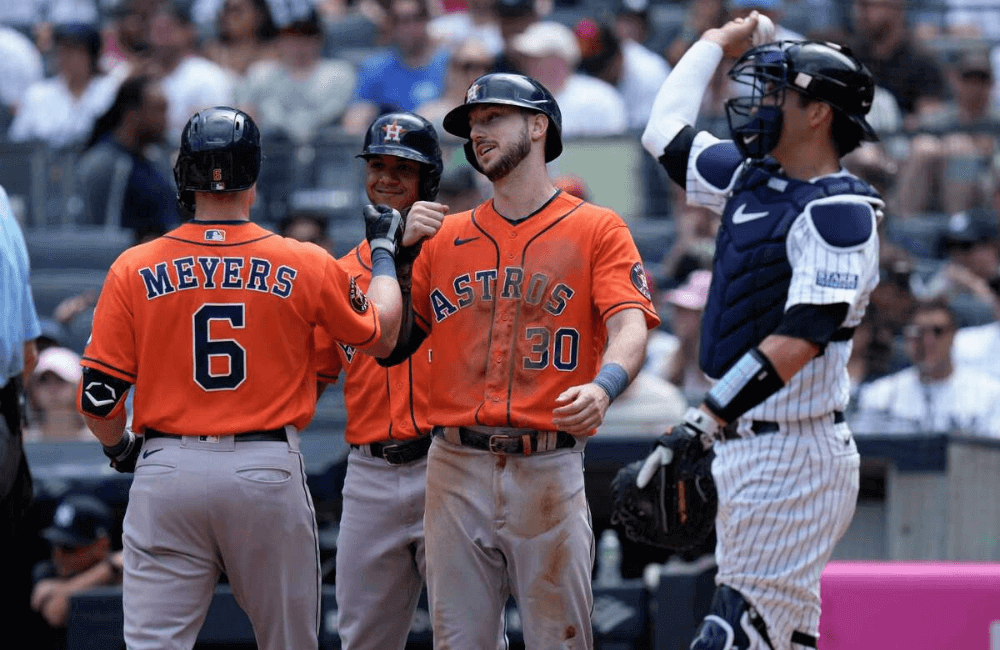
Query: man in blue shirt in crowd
[(408, 75)]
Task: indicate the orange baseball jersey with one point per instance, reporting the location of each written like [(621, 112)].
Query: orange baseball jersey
[(382, 403), (517, 310), (213, 324)]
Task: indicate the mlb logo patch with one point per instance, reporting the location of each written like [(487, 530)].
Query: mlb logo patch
[(216, 175), (215, 235), (473, 92), (836, 280)]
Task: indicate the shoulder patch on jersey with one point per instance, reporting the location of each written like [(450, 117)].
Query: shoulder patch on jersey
[(639, 280), (843, 224), (359, 301), (717, 163)]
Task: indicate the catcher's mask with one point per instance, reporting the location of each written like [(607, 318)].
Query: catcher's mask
[(822, 71)]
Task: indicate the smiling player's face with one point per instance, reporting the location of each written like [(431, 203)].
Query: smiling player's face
[(392, 181)]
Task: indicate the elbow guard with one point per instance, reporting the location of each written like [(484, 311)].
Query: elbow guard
[(101, 395)]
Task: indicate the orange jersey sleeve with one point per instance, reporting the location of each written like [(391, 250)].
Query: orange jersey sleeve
[(213, 323), (517, 310), (382, 403)]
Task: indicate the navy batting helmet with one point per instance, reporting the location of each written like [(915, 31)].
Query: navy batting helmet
[(220, 152), (407, 135), (512, 90), (822, 71)]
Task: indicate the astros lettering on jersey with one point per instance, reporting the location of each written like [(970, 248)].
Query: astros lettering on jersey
[(545, 285)]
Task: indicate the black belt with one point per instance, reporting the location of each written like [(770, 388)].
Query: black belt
[(507, 444), (399, 453), (763, 427), (266, 435)]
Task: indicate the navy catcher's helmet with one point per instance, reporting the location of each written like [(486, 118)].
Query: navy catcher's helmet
[(512, 90), (220, 152), (822, 71), (407, 135)]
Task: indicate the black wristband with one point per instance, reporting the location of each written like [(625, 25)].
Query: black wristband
[(117, 449), (750, 381)]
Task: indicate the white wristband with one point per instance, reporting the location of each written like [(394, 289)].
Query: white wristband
[(702, 422)]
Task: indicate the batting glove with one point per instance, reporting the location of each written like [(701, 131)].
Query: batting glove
[(383, 228), (125, 454)]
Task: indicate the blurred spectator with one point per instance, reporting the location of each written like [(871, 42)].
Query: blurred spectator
[(935, 395), (674, 357), (947, 172), (773, 9), (119, 184), (632, 21), (589, 106), (478, 22), (52, 396), (411, 73), (978, 347), (308, 227), (61, 111), (514, 16), (460, 189), (885, 44), (973, 259), (81, 559), (246, 34), (20, 67), (701, 16), (694, 245), (469, 61), (190, 82), (963, 18), (636, 72), (126, 38), (299, 93)]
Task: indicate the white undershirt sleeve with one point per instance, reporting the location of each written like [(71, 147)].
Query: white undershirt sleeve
[(679, 98)]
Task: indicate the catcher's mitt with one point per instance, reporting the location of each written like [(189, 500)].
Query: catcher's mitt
[(676, 509)]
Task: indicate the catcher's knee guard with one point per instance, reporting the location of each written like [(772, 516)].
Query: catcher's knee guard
[(732, 624)]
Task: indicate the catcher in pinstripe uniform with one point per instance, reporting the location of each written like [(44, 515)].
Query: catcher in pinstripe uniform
[(795, 263)]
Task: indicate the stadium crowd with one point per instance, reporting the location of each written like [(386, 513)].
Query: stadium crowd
[(103, 87)]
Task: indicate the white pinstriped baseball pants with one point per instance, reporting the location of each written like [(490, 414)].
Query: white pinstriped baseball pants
[(785, 500)]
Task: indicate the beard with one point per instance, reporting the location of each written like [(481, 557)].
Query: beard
[(510, 158)]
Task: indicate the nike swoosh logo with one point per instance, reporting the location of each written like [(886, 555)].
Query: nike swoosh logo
[(459, 241), (742, 217), (150, 452)]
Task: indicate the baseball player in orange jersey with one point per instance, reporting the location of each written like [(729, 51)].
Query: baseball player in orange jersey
[(213, 325), (380, 548), (537, 311)]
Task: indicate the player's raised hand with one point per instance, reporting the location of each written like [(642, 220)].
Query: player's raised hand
[(423, 221), (582, 411), (735, 37)]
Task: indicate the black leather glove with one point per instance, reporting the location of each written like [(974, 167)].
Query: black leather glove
[(125, 454), (383, 228)]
